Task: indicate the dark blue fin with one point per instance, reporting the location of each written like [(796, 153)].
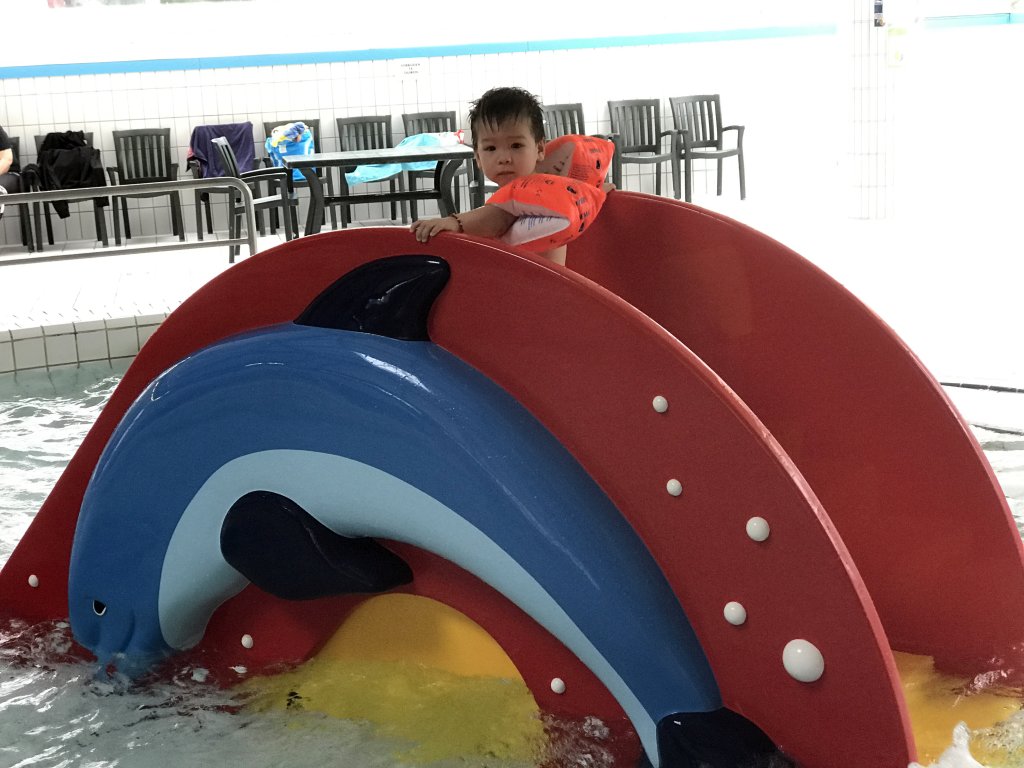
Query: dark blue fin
[(388, 297), (717, 739), (285, 551)]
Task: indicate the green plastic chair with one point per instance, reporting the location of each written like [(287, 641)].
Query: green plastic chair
[(699, 122), (640, 140), (369, 132)]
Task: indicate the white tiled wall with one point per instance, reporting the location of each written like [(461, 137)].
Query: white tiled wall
[(870, 152), (773, 86), (831, 119)]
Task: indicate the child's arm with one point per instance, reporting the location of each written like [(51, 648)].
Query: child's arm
[(487, 221)]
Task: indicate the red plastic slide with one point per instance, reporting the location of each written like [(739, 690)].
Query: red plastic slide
[(787, 400)]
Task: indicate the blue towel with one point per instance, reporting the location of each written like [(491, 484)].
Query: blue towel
[(367, 173)]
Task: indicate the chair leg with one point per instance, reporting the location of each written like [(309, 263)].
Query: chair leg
[(127, 222), (676, 186), (657, 179), (49, 224), (175, 221), (346, 210), (286, 220), (24, 221), (719, 177), (743, 178), (209, 214), (36, 216), (275, 222), (115, 214), (101, 223), (413, 214), (688, 178), (176, 215), (199, 213)]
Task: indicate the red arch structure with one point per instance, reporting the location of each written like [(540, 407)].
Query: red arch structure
[(787, 400)]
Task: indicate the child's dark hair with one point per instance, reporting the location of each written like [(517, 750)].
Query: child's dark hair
[(501, 105)]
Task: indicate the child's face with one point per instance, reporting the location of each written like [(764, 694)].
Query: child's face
[(507, 151)]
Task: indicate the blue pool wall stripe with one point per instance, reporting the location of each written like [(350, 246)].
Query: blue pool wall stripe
[(468, 49), (377, 54)]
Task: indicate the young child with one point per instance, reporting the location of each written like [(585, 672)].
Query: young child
[(508, 142)]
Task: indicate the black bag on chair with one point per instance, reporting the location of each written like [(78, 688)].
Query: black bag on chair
[(66, 161)]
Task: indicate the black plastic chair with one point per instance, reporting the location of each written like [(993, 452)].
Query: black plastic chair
[(280, 193), (98, 203), (699, 122), (636, 124), (368, 132), (202, 157), (562, 119), (325, 178), (24, 220), (430, 122), (143, 156)]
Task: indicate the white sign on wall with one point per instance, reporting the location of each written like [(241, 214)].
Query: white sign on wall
[(407, 70)]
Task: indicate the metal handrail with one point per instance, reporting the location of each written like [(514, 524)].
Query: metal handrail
[(223, 183)]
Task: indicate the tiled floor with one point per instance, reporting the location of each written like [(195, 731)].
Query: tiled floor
[(947, 281)]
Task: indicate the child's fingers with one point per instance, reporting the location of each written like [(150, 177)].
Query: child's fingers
[(421, 230), (427, 228)]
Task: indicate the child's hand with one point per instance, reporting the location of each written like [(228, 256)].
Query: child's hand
[(607, 187), (424, 229)]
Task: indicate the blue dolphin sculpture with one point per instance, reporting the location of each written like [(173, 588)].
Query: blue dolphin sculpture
[(352, 425)]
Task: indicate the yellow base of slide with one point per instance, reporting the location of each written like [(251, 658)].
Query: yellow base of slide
[(423, 674), (937, 702)]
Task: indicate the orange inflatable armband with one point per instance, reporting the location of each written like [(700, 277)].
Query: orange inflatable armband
[(556, 204), (585, 158)]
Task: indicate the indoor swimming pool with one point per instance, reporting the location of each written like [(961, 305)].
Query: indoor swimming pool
[(54, 713)]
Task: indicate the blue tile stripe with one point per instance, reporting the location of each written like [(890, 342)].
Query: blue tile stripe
[(976, 20), (376, 54), (468, 49)]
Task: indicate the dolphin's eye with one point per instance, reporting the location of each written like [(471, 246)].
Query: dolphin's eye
[(98, 608)]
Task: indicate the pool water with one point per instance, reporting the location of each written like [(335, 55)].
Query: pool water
[(55, 714)]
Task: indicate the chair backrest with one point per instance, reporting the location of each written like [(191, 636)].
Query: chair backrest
[(560, 119), (429, 122), (40, 138), (700, 117), (143, 154), (313, 124), (637, 123), (205, 160), (366, 132), (228, 161)]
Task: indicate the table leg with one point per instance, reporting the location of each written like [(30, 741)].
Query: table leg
[(315, 214)]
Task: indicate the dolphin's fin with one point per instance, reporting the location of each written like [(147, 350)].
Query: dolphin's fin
[(717, 739), (285, 551), (388, 297)]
